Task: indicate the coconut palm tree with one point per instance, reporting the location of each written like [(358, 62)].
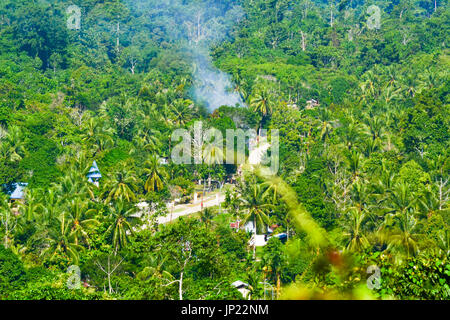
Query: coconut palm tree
[(156, 268), (206, 215), (428, 203), (82, 219), (71, 185), (262, 103), (121, 184), (402, 233), (370, 86), (59, 240), (326, 125), (181, 111), (400, 225), (354, 161), (374, 127), (13, 146), (255, 209), (97, 135), (146, 140), (400, 199), (352, 133), (212, 154), (155, 175), (411, 85), (353, 226), (32, 205), (232, 202), (51, 204), (358, 216), (121, 217), (239, 87), (370, 146), (8, 220)]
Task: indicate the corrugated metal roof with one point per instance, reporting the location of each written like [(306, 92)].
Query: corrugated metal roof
[(239, 284), (94, 172)]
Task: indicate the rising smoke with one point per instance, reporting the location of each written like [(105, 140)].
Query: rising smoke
[(198, 25)]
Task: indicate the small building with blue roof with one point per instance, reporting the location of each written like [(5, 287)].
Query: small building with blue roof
[(19, 192), (94, 174)]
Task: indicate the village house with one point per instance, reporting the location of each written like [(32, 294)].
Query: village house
[(311, 104), (94, 174), (18, 195)]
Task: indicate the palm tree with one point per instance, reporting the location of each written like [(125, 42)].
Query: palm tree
[(352, 133), (370, 86), (32, 205), (232, 202), (358, 215), (8, 220), (430, 79), (271, 188), (206, 215), (371, 146), (97, 135), (239, 87), (374, 127), (443, 242), (254, 207), (155, 269), (428, 203), (411, 85), (354, 160), (122, 219), (60, 241), (182, 111), (155, 175), (51, 204), (262, 103), (400, 225), (385, 182), (13, 148), (403, 235), (146, 140), (400, 199), (212, 154), (354, 230), (360, 196), (390, 94), (326, 125), (81, 220), (71, 185)]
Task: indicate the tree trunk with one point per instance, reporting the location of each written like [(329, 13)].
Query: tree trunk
[(109, 276), (331, 13), (180, 286), (118, 40), (278, 285), (303, 41), (254, 239)]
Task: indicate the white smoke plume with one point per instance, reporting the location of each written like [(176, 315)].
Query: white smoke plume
[(212, 86)]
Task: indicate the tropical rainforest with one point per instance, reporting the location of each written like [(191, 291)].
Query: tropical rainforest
[(358, 90)]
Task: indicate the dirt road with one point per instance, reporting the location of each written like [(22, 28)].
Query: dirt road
[(191, 208)]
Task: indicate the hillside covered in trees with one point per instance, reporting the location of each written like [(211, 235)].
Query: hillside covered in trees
[(358, 91)]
